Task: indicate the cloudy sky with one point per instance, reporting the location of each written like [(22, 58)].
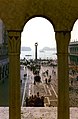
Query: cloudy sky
[(40, 30), (74, 32)]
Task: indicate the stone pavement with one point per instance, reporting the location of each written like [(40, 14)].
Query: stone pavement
[(46, 90), (38, 113), (50, 92)]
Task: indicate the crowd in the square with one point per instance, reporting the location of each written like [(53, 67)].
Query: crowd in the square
[(35, 101)]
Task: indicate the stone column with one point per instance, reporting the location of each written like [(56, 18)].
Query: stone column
[(14, 38), (36, 44), (62, 40)]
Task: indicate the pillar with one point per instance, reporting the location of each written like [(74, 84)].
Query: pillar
[(62, 40), (14, 74)]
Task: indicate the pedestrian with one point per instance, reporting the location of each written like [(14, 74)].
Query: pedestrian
[(30, 101), (34, 98), (26, 100), (47, 72), (42, 101), (37, 78), (37, 102), (71, 82), (77, 78), (49, 80), (54, 73), (46, 80), (34, 82), (21, 81)]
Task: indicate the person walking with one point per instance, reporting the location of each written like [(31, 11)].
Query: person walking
[(37, 102), (49, 80), (46, 80)]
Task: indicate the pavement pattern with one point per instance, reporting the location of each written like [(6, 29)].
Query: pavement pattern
[(49, 91)]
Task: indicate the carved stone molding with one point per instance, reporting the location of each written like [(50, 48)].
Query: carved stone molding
[(14, 42)]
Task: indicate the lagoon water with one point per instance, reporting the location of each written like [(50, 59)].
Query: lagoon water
[(51, 54)]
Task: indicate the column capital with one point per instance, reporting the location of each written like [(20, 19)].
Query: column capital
[(14, 42), (62, 40)]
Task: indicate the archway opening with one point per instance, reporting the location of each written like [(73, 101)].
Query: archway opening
[(73, 66), (38, 63)]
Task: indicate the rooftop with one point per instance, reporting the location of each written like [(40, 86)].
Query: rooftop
[(73, 43)]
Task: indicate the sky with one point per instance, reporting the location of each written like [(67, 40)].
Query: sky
[(74, 32), (40, 30)]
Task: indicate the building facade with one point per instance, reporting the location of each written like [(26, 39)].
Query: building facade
[(73, 53), (4, 62)]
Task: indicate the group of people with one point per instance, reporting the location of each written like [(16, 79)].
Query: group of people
[(47, 77), (48, 80), (35, 101), (37, 78), (53, 72)]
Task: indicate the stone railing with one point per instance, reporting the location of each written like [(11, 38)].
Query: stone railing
[(38, 113)]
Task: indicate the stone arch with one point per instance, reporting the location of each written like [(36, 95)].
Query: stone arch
[(74, 27), (14, 15), (73, 23), (51, 28), (42, 16)]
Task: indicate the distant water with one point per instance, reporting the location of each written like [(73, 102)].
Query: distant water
[(51, 54)]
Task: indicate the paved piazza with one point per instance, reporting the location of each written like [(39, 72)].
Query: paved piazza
[(49, 91)]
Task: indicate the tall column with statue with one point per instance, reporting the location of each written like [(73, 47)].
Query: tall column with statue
[(36, 44)]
